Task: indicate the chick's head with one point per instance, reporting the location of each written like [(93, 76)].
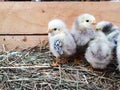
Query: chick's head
[(56, 26), (104, 26), (85, 21)]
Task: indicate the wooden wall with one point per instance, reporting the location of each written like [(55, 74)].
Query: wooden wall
[(24, 24)]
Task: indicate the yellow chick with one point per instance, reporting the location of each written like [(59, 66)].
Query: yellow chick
[(61, 42), (83, 32), (82, 29)]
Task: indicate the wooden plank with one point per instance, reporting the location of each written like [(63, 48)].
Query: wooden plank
[(32, 18), (22, 42), (27, 17)]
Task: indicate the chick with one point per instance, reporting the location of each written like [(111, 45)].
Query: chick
[(61, 42), (99, 51), (113, 33), (110, 30), (118, 52), (82, 31)]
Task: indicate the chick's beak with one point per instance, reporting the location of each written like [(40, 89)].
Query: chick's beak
[(93, 22), (97, 28), (49, 30)]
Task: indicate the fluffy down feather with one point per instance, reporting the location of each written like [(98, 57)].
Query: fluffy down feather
[(99, 51)]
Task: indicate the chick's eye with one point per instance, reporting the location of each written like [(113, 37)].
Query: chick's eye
[(55, 29), (87, 20)]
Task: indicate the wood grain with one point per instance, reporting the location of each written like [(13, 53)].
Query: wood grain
[(33, 17), (22, 42)]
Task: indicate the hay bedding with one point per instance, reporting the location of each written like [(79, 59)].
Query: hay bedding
[(30, 70)]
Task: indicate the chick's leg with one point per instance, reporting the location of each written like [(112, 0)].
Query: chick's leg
[(91, 68), (76, 62), (56, 63), (64, 61)]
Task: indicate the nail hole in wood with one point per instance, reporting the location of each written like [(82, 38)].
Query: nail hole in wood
[(24, 39), (43, 11), (4, 39)]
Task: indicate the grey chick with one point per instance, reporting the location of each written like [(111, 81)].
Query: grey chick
[(110, 30), (99, 51), (113, 34), (118, 52)]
